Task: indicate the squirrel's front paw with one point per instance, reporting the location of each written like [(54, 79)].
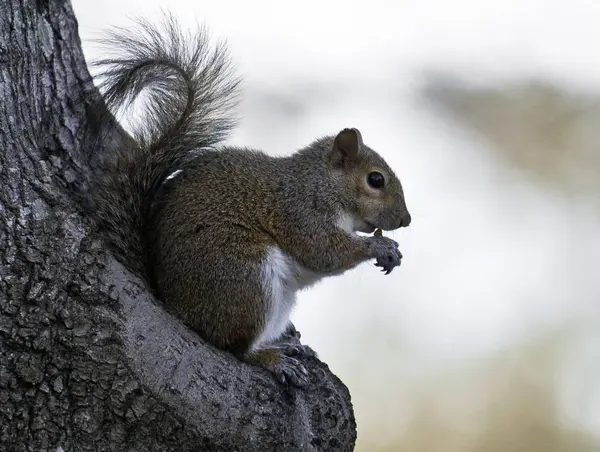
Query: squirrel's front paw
[(386, 253)]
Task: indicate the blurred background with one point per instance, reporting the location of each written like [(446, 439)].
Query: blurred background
[(487, 338)]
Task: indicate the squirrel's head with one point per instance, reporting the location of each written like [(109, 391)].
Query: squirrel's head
[(372, 194)]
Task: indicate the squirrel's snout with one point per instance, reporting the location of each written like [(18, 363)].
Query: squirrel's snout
[(405, 220), (392, 223)]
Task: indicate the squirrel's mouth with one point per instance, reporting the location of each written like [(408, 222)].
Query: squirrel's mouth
[(366, 227)]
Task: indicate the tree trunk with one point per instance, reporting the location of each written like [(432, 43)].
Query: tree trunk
[(89, 361)]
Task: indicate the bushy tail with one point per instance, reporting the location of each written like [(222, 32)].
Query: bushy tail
[(189, 94)]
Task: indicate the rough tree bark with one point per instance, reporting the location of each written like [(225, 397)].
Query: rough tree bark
[(88, 359)]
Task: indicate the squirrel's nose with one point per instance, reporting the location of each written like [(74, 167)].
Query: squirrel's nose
[(405, 220)]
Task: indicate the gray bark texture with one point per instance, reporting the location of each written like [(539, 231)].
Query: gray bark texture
[(89, 360)]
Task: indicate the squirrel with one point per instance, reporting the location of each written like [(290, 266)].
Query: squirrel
[(227, 236)]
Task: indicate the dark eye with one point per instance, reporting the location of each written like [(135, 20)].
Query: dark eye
[(376, 180)]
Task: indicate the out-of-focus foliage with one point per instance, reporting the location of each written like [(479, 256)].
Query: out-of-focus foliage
[(506, 402), (510, 400), (550, 132)]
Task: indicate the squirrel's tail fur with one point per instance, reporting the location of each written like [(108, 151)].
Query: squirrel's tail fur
[(190, 92)]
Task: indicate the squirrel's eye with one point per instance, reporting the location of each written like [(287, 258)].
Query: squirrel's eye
[(376, 180)]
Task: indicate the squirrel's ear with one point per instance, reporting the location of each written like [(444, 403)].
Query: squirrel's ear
[(346, 146)]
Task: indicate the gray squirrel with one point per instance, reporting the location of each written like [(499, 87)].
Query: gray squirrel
[(226, 236)]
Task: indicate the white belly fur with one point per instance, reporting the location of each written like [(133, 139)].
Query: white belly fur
[(282, 277)]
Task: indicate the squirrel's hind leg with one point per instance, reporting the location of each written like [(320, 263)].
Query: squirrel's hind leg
[(274, 349)]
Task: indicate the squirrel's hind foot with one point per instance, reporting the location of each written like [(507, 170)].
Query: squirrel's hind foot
[(285, 368), (295, 350)]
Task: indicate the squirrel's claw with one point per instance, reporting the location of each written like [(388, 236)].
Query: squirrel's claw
[(386, 270), (389, 262), (289, 371)]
